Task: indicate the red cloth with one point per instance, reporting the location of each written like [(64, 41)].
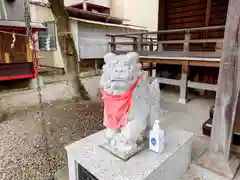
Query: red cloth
[(116, 107)]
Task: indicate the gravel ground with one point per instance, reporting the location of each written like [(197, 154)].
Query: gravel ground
[(23, 155)]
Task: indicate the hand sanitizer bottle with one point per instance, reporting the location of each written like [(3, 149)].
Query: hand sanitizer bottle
[(156, 138)]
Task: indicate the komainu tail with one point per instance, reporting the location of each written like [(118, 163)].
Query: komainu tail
[(155, 111)]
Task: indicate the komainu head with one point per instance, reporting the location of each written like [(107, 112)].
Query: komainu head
[(120, 72)]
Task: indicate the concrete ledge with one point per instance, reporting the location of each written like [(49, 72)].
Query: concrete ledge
[(87, 159)]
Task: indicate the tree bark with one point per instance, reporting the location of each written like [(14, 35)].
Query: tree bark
[(68, 49)]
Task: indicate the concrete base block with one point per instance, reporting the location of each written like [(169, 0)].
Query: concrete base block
[(32, 84), (217, 164), (86, 160), (123, 156)]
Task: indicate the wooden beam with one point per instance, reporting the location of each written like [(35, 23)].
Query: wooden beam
[(122, 43), (204, 63), (218, 159), (169, 31), (169, 81), (199, 54), (188, 40), (229, 83), (161, 61), (208, 11), (179, 62), (203, 86)]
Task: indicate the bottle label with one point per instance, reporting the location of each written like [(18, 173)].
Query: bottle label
[(153, 141)]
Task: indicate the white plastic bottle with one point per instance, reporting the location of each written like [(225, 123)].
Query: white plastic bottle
[(156, 138)]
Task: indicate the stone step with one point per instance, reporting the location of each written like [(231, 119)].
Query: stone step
[(196, 172), (97, 163)]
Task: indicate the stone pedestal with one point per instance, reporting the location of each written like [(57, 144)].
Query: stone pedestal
[(217, 164), (87, 160)]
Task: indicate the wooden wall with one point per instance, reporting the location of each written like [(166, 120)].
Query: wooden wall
[(192, 13), (180, 14), (18, 69), (185, 13), (218, 12), (18, 54)]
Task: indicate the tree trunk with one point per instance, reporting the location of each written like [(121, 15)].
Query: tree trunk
[(68, 49)]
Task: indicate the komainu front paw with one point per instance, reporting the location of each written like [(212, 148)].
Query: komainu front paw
[(110, 135), (127, 145)]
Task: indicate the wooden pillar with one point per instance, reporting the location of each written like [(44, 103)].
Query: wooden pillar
[(161, 14), (219, 159), (139, 43), (228, 83), (186, 43), (207, 18), (184, 77), (208, 11), (150, 67), (113, 45), (135, 40), (218, 47), (139, 46), (161, 26), (183, 86)]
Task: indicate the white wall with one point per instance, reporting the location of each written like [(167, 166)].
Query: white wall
[(50, 58), (120, 8), (40, 13), (14, 10), (105, 3), (142, 13), (117, 8), (138, 12)]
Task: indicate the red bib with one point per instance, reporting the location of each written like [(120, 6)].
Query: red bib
[(116, 107)]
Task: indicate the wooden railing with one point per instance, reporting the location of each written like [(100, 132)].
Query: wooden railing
[(146, 43)]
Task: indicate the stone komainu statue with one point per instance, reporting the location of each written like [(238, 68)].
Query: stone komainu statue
[(131, 102)]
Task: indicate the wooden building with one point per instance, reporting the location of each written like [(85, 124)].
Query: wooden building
[(187, 48), (16, 57)]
